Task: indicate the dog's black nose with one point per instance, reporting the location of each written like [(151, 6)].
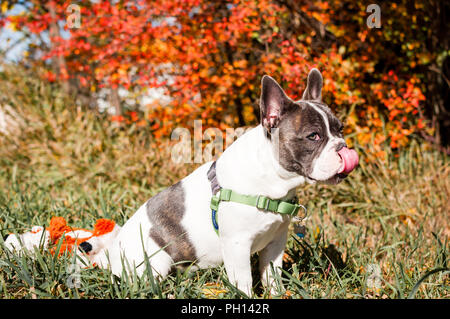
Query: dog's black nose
[(85, 246), (340, 146)]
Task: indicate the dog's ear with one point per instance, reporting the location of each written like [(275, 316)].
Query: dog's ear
[(314, 85), (273, 103)]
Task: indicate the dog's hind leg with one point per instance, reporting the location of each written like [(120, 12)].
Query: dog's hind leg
[(120, 260), (159, 260)]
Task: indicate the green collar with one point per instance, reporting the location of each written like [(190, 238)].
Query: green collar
[(261, 202)]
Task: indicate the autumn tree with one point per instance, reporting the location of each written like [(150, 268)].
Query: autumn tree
[(388, 83)]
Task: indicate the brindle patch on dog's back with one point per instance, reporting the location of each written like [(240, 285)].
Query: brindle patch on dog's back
[(165, 212)]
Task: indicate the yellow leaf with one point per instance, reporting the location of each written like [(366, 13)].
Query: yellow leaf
[(212, 291), (4, 7), (12, 26)]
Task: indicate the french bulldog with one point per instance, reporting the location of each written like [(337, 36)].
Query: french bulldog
[(296, 142)]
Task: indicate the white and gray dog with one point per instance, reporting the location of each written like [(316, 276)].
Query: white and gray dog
[(176, 224)]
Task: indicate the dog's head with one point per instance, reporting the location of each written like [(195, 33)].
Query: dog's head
[(306, 135)]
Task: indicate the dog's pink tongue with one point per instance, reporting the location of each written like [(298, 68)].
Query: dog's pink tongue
[(350, 159)]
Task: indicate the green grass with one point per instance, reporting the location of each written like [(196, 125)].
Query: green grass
[(73, 163)]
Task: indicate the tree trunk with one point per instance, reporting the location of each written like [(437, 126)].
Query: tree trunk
[(59, 65), (115, 101)]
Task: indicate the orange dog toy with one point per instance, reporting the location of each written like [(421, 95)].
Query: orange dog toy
[(59, 234)]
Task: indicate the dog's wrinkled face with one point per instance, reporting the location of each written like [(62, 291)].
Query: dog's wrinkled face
[(305, 134)]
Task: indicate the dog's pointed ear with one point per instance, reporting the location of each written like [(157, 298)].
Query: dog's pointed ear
[(273, 102), (314, 85)]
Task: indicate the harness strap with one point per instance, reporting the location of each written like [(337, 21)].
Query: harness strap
[(215, 187), (261, 202)]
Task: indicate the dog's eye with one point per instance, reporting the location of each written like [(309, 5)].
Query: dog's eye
[(341, 130), (313, 136)]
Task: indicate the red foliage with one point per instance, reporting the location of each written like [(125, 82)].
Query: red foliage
[(209, 56)]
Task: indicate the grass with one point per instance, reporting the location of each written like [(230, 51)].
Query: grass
[(68, 161)]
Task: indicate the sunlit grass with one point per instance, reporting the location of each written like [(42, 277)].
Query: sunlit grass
[(390, 214)]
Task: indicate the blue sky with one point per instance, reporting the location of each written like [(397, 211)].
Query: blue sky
[(8, 37)]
